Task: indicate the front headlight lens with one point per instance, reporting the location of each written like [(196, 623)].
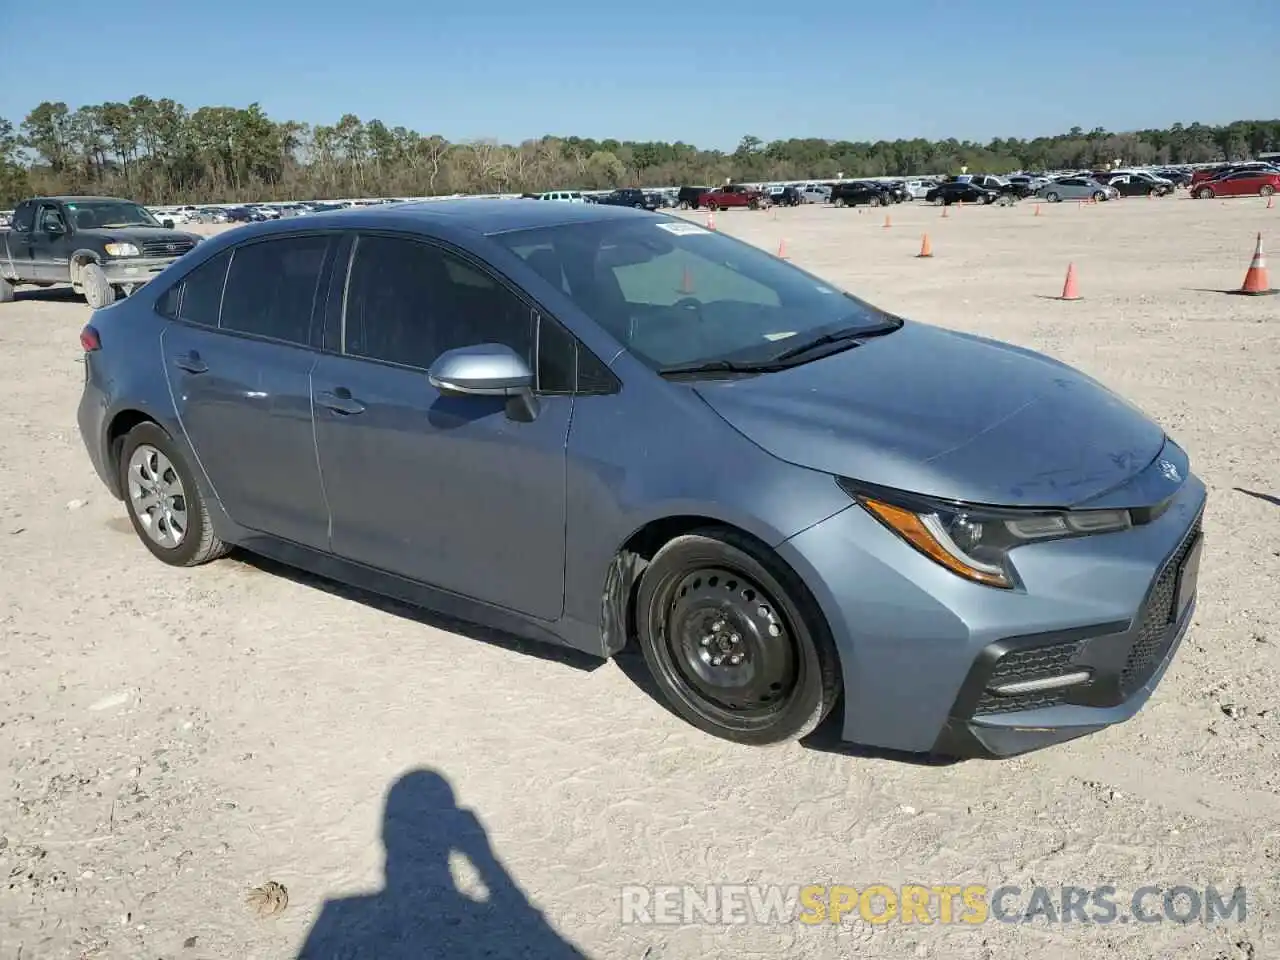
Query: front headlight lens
[(975, 543), (121, 249)]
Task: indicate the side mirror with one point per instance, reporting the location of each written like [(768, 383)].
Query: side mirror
[(487, 370), (54, 229), (167, 224)]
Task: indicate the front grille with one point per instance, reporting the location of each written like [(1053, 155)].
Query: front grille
[(1032, 663), (166, 248), (1155, 632)]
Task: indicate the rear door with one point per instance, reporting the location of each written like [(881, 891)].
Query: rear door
[(18, 258), (239, 360)]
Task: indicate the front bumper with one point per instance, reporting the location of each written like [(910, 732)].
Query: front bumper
[(134, 270), (921, 649)]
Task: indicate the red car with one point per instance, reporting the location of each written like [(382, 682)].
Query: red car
[(732, 195), (1242, 183)]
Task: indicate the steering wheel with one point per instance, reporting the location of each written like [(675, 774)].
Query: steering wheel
[(689, 303)]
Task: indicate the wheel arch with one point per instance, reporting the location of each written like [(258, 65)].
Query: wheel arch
[(629, 562), (117, 428), (81, 259)]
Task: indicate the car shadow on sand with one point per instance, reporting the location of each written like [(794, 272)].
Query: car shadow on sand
[(825, 739), (430, 618), (420, 913), (47, 295)]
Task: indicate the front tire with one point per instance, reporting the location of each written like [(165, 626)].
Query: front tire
[(1266, 190), (735, 641), (1205, 193), (166, 507), (97, 291)]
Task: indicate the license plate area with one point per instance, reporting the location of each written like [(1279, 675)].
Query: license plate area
[(1188, 579)]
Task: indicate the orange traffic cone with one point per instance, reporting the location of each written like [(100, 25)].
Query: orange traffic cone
[(711, 219), (1070, 289), (686, 283), (782, 250), (888, 222), (1271, 200), (1037, 213), (1257, 281), (926, 248)]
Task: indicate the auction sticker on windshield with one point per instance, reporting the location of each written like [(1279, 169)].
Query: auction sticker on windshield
[(681, 229)]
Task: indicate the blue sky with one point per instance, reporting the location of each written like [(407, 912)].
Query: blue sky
[(688, 70)]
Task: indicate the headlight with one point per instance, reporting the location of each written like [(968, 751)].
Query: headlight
[(121, 249), (975, 542)]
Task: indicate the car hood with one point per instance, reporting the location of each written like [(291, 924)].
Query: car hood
[(137, 234), (946, 414)]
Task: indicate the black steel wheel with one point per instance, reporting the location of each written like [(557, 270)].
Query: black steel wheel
[(734, 640)]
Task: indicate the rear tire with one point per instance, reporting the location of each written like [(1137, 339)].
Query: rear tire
[(734, 640), (1204, 193), (97, 291), (1052, 197), (165, 505)]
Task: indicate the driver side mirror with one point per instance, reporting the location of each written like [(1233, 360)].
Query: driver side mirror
[(167, 224), (487, 370), (54, 229)]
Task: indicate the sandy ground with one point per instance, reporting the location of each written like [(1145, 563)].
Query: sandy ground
[(173, 738)]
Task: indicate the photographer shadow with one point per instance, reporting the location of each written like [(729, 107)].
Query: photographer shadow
[(420, 913)]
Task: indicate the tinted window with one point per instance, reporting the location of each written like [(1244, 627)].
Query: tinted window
[(198, 296), (557, 357), (271, 288), (408, 302)]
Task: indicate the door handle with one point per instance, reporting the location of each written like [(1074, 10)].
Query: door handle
[(191, 363), (340, 401)]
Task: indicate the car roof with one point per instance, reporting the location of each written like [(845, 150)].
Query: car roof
[(81, 199), (444, 217)]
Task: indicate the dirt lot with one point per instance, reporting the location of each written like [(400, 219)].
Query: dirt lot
[(173, 738)]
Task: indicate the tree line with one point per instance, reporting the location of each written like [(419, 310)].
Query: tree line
[(158, 151)]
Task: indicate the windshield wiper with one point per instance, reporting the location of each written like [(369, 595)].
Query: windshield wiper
[(717, 366), (853, 335)]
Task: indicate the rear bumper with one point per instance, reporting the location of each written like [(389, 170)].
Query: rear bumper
[(91, 417)]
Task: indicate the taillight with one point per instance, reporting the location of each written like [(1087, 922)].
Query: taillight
[(90, 340)]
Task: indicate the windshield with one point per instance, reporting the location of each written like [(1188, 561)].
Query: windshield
[(110, 213), (675, 294)]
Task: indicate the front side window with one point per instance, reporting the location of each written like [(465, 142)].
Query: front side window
[(51, 219), (272, 286), (674, 294), (408, 302)]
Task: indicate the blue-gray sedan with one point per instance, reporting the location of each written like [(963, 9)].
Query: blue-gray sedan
[(596, 426)]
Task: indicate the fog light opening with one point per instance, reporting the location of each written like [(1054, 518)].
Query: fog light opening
[(1073, 679)]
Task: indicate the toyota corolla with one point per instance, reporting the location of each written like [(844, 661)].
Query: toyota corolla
[(597, 426)]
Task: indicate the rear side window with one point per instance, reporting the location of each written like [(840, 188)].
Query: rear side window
[(272, 286), (197, 297)]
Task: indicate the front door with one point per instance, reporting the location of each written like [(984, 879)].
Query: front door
[(444, 490), (242, 388)]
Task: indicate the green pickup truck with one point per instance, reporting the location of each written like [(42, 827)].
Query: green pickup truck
[(104, 247)]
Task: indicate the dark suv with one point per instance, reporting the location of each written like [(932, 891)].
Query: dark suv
[(629, 197)]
